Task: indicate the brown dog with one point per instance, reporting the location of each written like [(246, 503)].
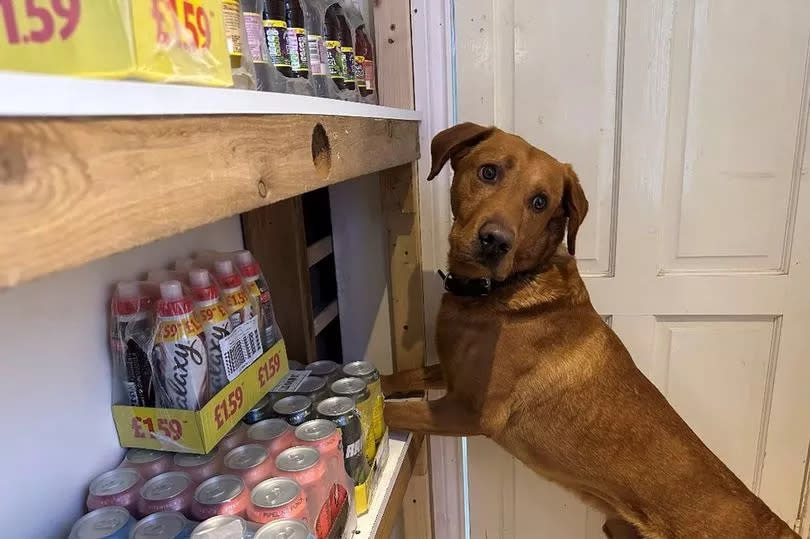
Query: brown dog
[(531, 364)]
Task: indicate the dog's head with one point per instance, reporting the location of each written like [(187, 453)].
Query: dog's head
[(512, 202)]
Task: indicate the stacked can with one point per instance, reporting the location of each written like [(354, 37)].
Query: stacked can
[(251, 462), (259, 412), (119, 487), (324, 436), (164, 525), (295, 409), (275, 499), (371, 376), (109, 522), (313, 387), (236, 437), (198, 467), (274, 434), (304, 465), (342, 412), (170, 491), (329, 370), (357, 390), (284, 529), (224, 526), (220, 495), (147, 462)]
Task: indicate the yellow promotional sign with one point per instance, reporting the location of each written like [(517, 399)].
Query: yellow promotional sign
[(188, 431), (158, 40)]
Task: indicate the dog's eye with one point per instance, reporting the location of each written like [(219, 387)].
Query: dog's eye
[(539, 202), (488, 173)]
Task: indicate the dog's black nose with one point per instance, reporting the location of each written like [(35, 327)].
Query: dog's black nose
[(496, 240)]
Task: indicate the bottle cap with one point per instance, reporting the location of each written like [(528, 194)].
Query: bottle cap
[(223, 267), (183, 264), (199, 278), (171, 290), (247, 264), (128, 289)]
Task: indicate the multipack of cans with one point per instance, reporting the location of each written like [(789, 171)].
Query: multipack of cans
[(178, 337)]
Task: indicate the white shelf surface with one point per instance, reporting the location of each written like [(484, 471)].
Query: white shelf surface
[(25, 94), (368, 524)]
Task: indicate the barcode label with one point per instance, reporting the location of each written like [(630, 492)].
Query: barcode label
[(241, 348), (291, 382)]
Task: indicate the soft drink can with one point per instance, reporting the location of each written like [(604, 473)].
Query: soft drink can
[(170, 491), (295, 365), (325, 369), (163, 525), (274, 434), (117, 487), (148, 462), (275, 499), (357, 390), (342, 412), (371, 376), (295, 409), (313, 387), (129, 330), (235, 298), (216, 325), (198, 467), (251, 462), (305, 466), (180, 352), (259, 412), (284, 529), (224, 527), (324, 436), (236, 437), (259, 292), (104, 523), (220, 495)]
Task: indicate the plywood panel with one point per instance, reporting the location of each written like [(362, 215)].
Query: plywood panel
[(717, 373), (734, 141)]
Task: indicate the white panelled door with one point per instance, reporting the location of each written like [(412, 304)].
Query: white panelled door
[(687, 123)]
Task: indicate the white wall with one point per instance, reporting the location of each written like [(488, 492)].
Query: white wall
[(55, 383)]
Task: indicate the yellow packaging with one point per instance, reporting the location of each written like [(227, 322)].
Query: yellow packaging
[(156, 40), (364, 491), (188, 431)]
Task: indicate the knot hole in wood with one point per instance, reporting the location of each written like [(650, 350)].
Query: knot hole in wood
[(321, 151)]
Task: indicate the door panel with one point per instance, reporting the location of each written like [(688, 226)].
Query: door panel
[(687, 123)]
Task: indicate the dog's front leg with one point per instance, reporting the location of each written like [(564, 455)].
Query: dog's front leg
[(414, 380), (443, 417)]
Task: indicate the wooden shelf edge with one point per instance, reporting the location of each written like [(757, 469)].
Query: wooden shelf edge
[(76, 190), (387, 501), (319, 250), (325, 317)]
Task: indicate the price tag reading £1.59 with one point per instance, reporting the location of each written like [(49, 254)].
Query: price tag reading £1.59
[(39, 21)]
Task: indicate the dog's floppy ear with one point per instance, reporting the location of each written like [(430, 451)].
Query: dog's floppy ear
[(450, 142), (575, 205)]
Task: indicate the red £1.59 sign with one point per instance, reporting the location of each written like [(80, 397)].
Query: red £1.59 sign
[(268, 369), (229, 405), (144, 427), (183, 22), (46, 20)]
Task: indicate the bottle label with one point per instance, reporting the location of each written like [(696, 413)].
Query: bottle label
[(299, 49), (348, 54), (368, 73), (359, 74), (275, 33), (255, 37), (233, 33), (317, 55), (335, 60)]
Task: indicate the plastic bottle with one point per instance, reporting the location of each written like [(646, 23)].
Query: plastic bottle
[(256, 44), (335, 58), (130, 333), (318, 60), (297, 38), (216, 325), (274, 19), (259, 292), (235, 298), (364, 57), (347, 48), (244, 74)]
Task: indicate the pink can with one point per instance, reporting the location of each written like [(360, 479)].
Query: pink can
[(305, 466), (274, 434), (236, 437), (324, 436), (220, 495), (117, 487), (170, 491), (251, 462), (199, 467), (148, 462), (275, 499)]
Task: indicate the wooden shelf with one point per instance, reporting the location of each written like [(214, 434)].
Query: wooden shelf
[(319, 250), (325, 317), (387, 500), (90, 168)]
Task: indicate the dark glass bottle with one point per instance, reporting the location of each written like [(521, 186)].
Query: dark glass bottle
[(274, 20), (297, 38), (334, 56), (347, 48), (364, 56)]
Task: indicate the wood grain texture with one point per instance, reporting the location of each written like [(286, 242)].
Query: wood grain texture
[(392, 29), (395, 500), (275, 234), (417, 502), (72, 191)]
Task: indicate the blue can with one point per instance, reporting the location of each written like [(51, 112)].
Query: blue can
[(166, 525), (110, 522)]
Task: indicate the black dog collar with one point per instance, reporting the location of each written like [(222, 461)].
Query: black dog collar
[(469, 288)]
